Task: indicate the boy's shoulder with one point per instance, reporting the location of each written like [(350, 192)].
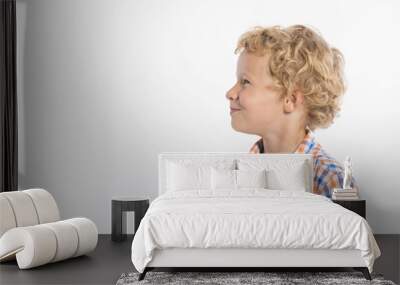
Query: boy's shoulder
[(323, 159)]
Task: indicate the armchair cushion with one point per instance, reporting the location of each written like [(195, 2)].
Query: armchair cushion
[(51, 242), (31, 231)]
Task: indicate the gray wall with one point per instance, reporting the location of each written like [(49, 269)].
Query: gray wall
[(104, 86)]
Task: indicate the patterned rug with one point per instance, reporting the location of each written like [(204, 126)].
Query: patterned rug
[(228, 278)]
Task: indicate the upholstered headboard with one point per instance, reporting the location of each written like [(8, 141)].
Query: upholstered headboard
[(236, 160)]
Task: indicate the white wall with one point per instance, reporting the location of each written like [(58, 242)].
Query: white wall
[(104, 86)]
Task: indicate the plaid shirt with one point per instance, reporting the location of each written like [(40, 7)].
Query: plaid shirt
[(328, 173)]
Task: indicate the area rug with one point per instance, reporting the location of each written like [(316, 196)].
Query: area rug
[(229, 278)]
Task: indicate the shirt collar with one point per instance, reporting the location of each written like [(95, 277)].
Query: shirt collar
[(305, 146), (308, 142)]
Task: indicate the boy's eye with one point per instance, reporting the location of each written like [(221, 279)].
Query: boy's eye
[(244, 81)]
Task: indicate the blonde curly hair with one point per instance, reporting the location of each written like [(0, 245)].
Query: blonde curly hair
[(300, 59)]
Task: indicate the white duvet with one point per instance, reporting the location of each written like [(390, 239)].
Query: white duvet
[(250, 218)]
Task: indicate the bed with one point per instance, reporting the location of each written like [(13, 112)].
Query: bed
[(242, 210)]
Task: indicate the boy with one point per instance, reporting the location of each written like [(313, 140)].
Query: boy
[(289, 82)]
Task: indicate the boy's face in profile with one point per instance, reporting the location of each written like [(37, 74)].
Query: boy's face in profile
[(261, 108)]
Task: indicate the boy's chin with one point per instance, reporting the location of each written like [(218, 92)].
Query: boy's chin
[(241, 129)]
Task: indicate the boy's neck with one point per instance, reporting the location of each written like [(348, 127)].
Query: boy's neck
[(286, 140)]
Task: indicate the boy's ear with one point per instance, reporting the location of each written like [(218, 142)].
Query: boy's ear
[(292, 101)]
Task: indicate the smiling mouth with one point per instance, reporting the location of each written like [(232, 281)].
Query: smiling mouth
[(234, 110)]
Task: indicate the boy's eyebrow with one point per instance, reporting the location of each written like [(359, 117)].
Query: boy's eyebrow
[(244, 73)]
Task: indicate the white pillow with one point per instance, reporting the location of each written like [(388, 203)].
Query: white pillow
[(294, 178), (237, 179), (251, 178), (187, 177), (223, 179)]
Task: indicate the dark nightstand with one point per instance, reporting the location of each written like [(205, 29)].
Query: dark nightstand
[(119, 207), (357, 206)]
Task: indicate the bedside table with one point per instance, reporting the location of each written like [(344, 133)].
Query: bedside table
[(119, 207), (357, 206)]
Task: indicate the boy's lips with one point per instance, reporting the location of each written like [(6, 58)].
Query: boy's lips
[(233, 110)]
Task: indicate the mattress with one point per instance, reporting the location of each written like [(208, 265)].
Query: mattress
[(250, 218)]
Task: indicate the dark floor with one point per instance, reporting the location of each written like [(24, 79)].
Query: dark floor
[(111, 259)]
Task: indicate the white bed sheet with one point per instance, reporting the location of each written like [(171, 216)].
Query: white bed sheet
[(250, 218)]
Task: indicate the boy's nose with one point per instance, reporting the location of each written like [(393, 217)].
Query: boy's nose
[(231, 94)]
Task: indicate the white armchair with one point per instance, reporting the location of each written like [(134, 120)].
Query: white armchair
[(31, 231)]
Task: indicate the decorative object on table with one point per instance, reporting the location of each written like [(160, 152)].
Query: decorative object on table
[(346, 192), (119, 207), (171, 278), (348, 173), (357, 206), (32, 233)]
